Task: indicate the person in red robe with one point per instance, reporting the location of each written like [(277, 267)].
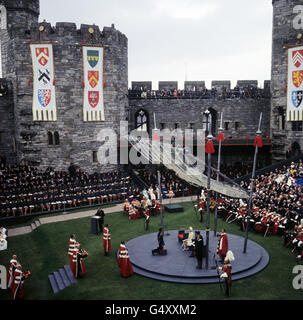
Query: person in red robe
[(222, 247), (124, 264), (71, 248), (107, 240), (78, 265), (11, 269), (18, 283)]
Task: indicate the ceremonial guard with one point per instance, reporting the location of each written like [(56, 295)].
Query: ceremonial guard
[(71, 248), (78, 265), (222, 247), (11, 270), (107, 240), (18, 283), (226, 272), (124, 264)]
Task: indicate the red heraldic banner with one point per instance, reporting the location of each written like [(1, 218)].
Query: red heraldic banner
[(93, 105), (44, 95), (295, 84)]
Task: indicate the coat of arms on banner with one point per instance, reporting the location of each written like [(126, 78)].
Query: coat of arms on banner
[(296, 98), (42, 55), (44, 76), (297, 77), (44, 97), (92, 57), (297, 57), (93, 78), (93, 98)]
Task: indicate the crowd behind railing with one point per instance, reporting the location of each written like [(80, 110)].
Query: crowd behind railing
[(25, 189), (247, 92)]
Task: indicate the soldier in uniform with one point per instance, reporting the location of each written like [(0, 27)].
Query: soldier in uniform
[(226, 276)]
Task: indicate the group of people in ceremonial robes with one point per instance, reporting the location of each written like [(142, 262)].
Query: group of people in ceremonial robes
[(15, 278)]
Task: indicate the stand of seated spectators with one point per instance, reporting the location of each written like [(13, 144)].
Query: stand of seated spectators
[(25, 189), (277, 207), (171, 185)]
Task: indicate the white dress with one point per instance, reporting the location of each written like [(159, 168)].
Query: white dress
[(3, 244)]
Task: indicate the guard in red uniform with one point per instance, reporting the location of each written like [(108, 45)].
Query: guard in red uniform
[(18, 283), (71, 248), (11, 269), (107, 240), (226, 275), (222, 247), (124, 264)]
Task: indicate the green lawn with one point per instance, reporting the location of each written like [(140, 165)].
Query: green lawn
[(45, 250)]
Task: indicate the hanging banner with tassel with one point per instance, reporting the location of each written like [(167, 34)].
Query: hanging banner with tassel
[(295, 84), (44, 94), (93, 83)]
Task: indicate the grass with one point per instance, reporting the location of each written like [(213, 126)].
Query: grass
[(45, 250)]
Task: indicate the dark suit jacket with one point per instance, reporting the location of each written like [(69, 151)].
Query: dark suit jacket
[(199, 249)]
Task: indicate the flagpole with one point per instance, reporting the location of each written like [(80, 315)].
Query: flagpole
[(209, 152), (160, 199), (252, 183), (218, 170)]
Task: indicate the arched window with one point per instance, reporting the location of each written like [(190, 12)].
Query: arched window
[(57, 139), (212, 118), (141, 120), (3, 20), (50, 138)]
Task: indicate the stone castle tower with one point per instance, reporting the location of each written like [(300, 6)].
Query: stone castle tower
[(76, 140), (286, 135)]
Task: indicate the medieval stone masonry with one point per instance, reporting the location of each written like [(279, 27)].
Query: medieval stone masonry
[(72, 140)]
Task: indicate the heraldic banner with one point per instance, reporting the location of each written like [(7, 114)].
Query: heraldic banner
[(93, 105), (295, 84), (44, 95)]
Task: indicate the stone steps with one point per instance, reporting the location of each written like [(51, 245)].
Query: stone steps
[(61, 279)]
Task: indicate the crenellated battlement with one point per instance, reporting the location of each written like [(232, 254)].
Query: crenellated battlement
[(218, 85)]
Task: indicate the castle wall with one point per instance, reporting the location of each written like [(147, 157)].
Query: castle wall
[(284, 34), (7, 126), (187, 111), (78, 139)]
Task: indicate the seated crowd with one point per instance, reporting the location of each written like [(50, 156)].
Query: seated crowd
[(141, 204), (171, 185), (277, 206), (25, 189)]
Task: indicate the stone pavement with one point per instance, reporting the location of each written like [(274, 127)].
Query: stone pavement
[(82, 214)]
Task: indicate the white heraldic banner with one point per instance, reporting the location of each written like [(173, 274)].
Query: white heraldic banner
[(93, 105), (295, 84), (44, 95)]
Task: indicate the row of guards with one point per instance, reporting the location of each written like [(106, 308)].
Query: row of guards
[(44, 105)]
